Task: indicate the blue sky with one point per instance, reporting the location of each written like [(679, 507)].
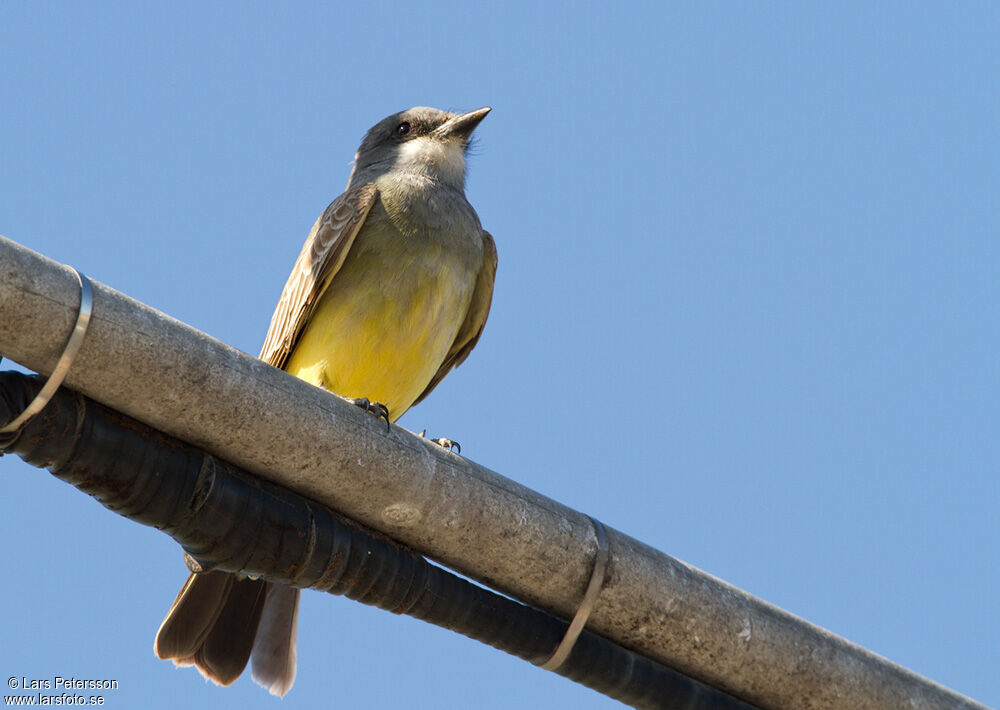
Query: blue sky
[(746, 308)]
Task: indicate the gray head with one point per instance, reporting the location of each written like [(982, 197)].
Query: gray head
[(419, 140)]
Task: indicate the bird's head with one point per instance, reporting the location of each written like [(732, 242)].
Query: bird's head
[(419, 140)]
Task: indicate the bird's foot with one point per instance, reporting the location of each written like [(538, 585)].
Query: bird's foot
[(376, 408), (443, 442)]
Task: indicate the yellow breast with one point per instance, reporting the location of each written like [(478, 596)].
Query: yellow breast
[(387, 318)]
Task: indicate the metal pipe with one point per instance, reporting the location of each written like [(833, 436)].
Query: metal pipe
[(191, 386)]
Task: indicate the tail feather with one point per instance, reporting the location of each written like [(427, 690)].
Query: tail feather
[(218, 619), (274, 650), (192, 616), (226, 650)]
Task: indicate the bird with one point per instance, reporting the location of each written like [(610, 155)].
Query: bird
[(390, 292)]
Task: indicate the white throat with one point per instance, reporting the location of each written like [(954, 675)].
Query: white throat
[(441, 160)]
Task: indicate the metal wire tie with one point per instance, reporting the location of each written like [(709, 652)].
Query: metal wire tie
[(589, 599), (65, 360)]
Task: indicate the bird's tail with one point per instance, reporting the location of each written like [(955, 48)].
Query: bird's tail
[(218, 619), (274, 650)]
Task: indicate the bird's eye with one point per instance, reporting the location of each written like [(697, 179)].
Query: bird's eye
[(402, 129)]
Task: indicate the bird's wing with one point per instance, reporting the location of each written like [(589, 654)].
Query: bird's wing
[(321, 257), (475, 318)]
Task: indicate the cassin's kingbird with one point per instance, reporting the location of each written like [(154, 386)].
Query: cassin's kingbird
[(390, 292)]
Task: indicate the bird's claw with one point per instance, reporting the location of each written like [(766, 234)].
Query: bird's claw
[(376, 408), (443, 442)]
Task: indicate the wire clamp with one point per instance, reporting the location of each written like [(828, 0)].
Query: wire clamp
[(65, 360), (589, 599)]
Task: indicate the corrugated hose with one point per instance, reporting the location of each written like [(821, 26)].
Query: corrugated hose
[(226, 519)]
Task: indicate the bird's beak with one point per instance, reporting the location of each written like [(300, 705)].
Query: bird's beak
[(463, 124)]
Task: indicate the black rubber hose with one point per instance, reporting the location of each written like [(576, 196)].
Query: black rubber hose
[(227, 519)]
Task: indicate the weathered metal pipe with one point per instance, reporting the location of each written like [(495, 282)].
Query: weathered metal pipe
[(191, 386)]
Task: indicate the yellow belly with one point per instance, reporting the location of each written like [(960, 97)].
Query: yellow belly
[(386, 321)]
